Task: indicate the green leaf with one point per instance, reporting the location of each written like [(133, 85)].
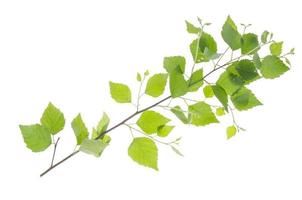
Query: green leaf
[(175, 63), (272, 67), (138, 77), (163, 131), (79, 129), (230, 81), (102, 126), (207, 48), (53, 119), (146, 73), (120, 92), (179, 113), (276, 48), (150, 121), (192, 29), (249, 43), (231, 131), (36, 137), (247, 70), (201, 114), (156, 85), (195, 81), (230, 34), (176, 151), (264, 36), (178, 85), (144, 151), (208, 91), (244, 99), (220, 111), (256, 60), (93, 147), (221, 95)]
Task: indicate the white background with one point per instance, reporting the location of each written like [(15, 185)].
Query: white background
[(67, 51)]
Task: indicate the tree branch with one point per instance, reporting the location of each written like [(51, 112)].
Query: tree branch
[(133, 115)]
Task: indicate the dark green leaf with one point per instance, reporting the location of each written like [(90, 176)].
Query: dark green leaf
[(244, 99), (221, 95)]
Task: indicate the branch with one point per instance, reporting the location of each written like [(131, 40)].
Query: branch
[(54, 151), (133, 115)]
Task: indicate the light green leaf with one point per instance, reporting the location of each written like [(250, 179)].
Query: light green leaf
[(150, 121), (201, 114), (221, 95), (195, 81), (207, 48), (175, 63), (192, 29), (249, 43), (231, 131), (146, 73), (102, 126), (244, 99), (36, 137), (79, 129), (53, 119), (138, 77), (120, 92), (177, 83), (272, 67), (176, 151), (220, 111), (156, 85), (264, 36), (230, 34), (163, 131), (276, 48), (208, 91), (93, 147), (144, 151), (180, 114)]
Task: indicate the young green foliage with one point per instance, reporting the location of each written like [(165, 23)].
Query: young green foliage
[(144, 151), (201, 114), (230, 91), (150, 121), (156, 85), (36, 137), (53, 119), (79, 129), (120, 92)]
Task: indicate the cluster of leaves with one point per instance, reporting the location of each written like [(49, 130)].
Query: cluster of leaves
[(230, 90)]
